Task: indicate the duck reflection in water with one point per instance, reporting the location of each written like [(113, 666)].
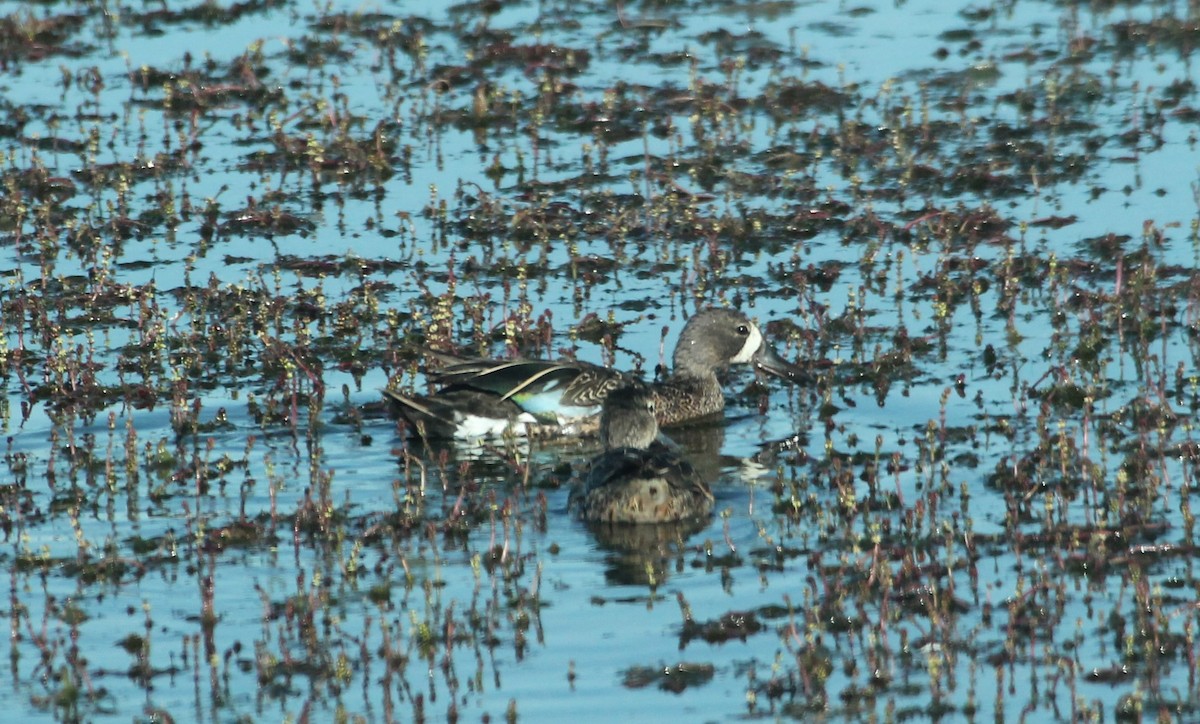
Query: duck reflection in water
[(646, 555)]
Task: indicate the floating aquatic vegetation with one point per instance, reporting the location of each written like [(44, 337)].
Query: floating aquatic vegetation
[(674, 678)]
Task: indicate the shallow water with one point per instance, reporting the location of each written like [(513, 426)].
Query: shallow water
[(225, 226)]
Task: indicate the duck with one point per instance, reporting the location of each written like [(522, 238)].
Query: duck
[(483, 398), (638, 478)]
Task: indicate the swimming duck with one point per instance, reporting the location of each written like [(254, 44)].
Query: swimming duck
[(482, 398), (638, 479)]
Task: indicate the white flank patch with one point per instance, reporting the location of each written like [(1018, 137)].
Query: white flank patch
[(753, 342), (474, 427)]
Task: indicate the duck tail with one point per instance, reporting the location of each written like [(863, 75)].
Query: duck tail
[(425, 419)]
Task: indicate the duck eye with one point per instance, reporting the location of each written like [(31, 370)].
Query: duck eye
[(743, 330)]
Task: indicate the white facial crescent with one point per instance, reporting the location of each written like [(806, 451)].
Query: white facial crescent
[(753, 342)]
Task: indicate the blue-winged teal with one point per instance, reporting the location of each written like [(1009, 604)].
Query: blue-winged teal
[(638, 479), (480, 398)]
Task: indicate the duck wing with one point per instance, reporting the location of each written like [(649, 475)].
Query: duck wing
[(458, 413), (658, 462), (540, 387), (631, 485)]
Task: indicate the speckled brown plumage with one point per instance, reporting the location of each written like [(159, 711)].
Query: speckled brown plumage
[(638, 479)]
